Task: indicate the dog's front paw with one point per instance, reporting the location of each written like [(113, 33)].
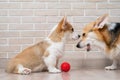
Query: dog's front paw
[(26, 71), (55, 70), (111, 68)]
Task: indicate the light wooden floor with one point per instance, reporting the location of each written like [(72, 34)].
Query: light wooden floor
[(89, 74)]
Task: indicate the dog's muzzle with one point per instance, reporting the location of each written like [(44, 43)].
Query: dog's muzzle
[(75, 36), (88, 46)]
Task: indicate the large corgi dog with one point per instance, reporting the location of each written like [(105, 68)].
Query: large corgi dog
[(45, 54), (104, 35)]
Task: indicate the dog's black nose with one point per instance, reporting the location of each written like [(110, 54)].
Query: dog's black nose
[(77, 46), (79, 36)]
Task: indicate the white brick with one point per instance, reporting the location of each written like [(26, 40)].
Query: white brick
[(3, 12), (59, 6), (9, 5), (44, 26), (33, 34), (47, 12), (115, 12), (3, 26), (21, 26), (74, 12), (83, 6), (109, 6), (78, 26), (9, 48), (33, 19), (3, 41), (83, 19), (19, 41), (20, 12), (9, 34), (98, 12), (9, 19), (3, 55), (33, 5), (56, 19), (53, 19), (114, 19)]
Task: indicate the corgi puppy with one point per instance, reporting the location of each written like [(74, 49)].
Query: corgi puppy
[(105, 35), (45, 54)]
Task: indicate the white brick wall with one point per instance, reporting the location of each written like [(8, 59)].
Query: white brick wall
[(25, 22)]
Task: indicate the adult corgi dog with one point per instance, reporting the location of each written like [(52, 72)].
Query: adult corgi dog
[(105, 35), (45, 54)]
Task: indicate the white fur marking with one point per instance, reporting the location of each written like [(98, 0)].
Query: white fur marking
[(50, 62), (56, 48), (113, 66), (56, 51), (75, 36), (22, 70), (112, 26)]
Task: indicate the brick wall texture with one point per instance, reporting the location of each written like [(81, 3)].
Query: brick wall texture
[(26, 22)]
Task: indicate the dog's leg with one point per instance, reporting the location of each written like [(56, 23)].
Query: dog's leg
[(23, 70), (113, 66), (57, 61), (50, 62)]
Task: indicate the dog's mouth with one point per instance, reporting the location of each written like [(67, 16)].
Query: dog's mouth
[(88, 47)]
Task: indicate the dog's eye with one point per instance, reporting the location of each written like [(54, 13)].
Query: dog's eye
[(83, 34)]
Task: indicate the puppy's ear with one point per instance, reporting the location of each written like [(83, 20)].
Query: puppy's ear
[(101, 21), (64, 23)]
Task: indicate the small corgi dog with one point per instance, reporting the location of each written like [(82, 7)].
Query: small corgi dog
[(104, 35), (45, 54)]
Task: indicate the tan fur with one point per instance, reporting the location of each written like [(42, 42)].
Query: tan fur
[(102, 34), (30, 57), (58, 34)]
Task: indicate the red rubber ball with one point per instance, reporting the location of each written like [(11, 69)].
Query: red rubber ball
[(65, 66)]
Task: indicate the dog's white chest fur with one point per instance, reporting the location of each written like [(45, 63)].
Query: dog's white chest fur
[(56, 48)]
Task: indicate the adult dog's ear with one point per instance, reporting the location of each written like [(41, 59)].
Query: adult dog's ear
[(101, 21)]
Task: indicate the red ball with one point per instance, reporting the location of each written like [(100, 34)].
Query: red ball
[(65, 66)]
